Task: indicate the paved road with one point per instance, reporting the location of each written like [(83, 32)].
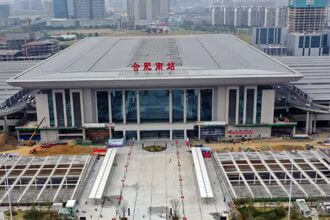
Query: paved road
[(152, 181)]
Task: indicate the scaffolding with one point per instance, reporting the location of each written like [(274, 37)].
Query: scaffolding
[(268, 174)]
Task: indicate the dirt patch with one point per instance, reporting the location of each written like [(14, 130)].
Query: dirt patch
[(64, 149), (7, 142)]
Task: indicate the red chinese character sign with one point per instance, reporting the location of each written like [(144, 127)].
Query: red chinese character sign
[(159, 66)]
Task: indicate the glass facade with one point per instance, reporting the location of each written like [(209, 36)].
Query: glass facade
[(68, 107), (117, 106), (177, 105), (51, 108), (59, 109), (76, 109), (249, 106), (102, 106), (241, 105), (131, 106), (154, 106), (232, 106), (192, 105), (206, 104)]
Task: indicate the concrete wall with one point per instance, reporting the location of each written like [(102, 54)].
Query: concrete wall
[(267, 106), (42, 109), (49, 135), (220, 100), (248, 132), (88, 105)]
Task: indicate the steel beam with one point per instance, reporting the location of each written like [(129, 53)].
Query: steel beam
[(49, 177), (271, 173), (11, 168), (257, 174), (240, 173), (64, 178), (314, 167), (305, 174), (289, 174), (81, 176), (223, 170), (33, 179), (16, 180)]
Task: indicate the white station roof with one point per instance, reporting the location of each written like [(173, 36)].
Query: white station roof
[(217, 59)]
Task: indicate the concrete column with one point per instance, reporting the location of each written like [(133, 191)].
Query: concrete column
[(124, 133), (5, 128), (84, 134), (124, 106), (307, 123), (198, 105), (185, 106), (138, 135), (138, 106), (199, 132), (170, 107), (315, 119), (185, 133), (110, 107), (171, 134), (294, 131)]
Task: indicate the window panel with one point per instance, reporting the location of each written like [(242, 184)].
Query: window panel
[(102, 106), (206, 104), (117, 106), (154, 106), (130, 105), (249, 106), (192, 105), (68, 107), (178, 105), (76, 109), (59, 109), (232, 106)]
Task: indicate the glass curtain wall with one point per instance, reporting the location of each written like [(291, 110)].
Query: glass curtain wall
[(68, 107), (192, 105), (249, 106), (232, 106), (131, 106), (177, 105), (154, 106), (102, 106), (76, 109), (51, 108), (117, 106), (206, 104), (59, 109)]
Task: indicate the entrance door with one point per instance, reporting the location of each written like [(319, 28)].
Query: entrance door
[(155, 134)]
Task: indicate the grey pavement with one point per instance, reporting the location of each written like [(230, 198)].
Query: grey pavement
[(152, 181)]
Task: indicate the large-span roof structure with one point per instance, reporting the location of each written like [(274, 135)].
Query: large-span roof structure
[(268, 174), (107, 62), (32, 180), (9, 70), (316, 72)]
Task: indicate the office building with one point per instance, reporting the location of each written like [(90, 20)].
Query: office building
[(60, 8), (145, 11), (35, 4), (307, 16), (244, 16), (89, 9), (4, 11), (145, 87)]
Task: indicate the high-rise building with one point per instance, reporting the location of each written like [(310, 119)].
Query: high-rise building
[(35, 4), (89, 9), (60, 8), (4, 11), (145, 11), (307, 16)]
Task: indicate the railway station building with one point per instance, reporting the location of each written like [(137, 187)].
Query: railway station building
[(171, 87)]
